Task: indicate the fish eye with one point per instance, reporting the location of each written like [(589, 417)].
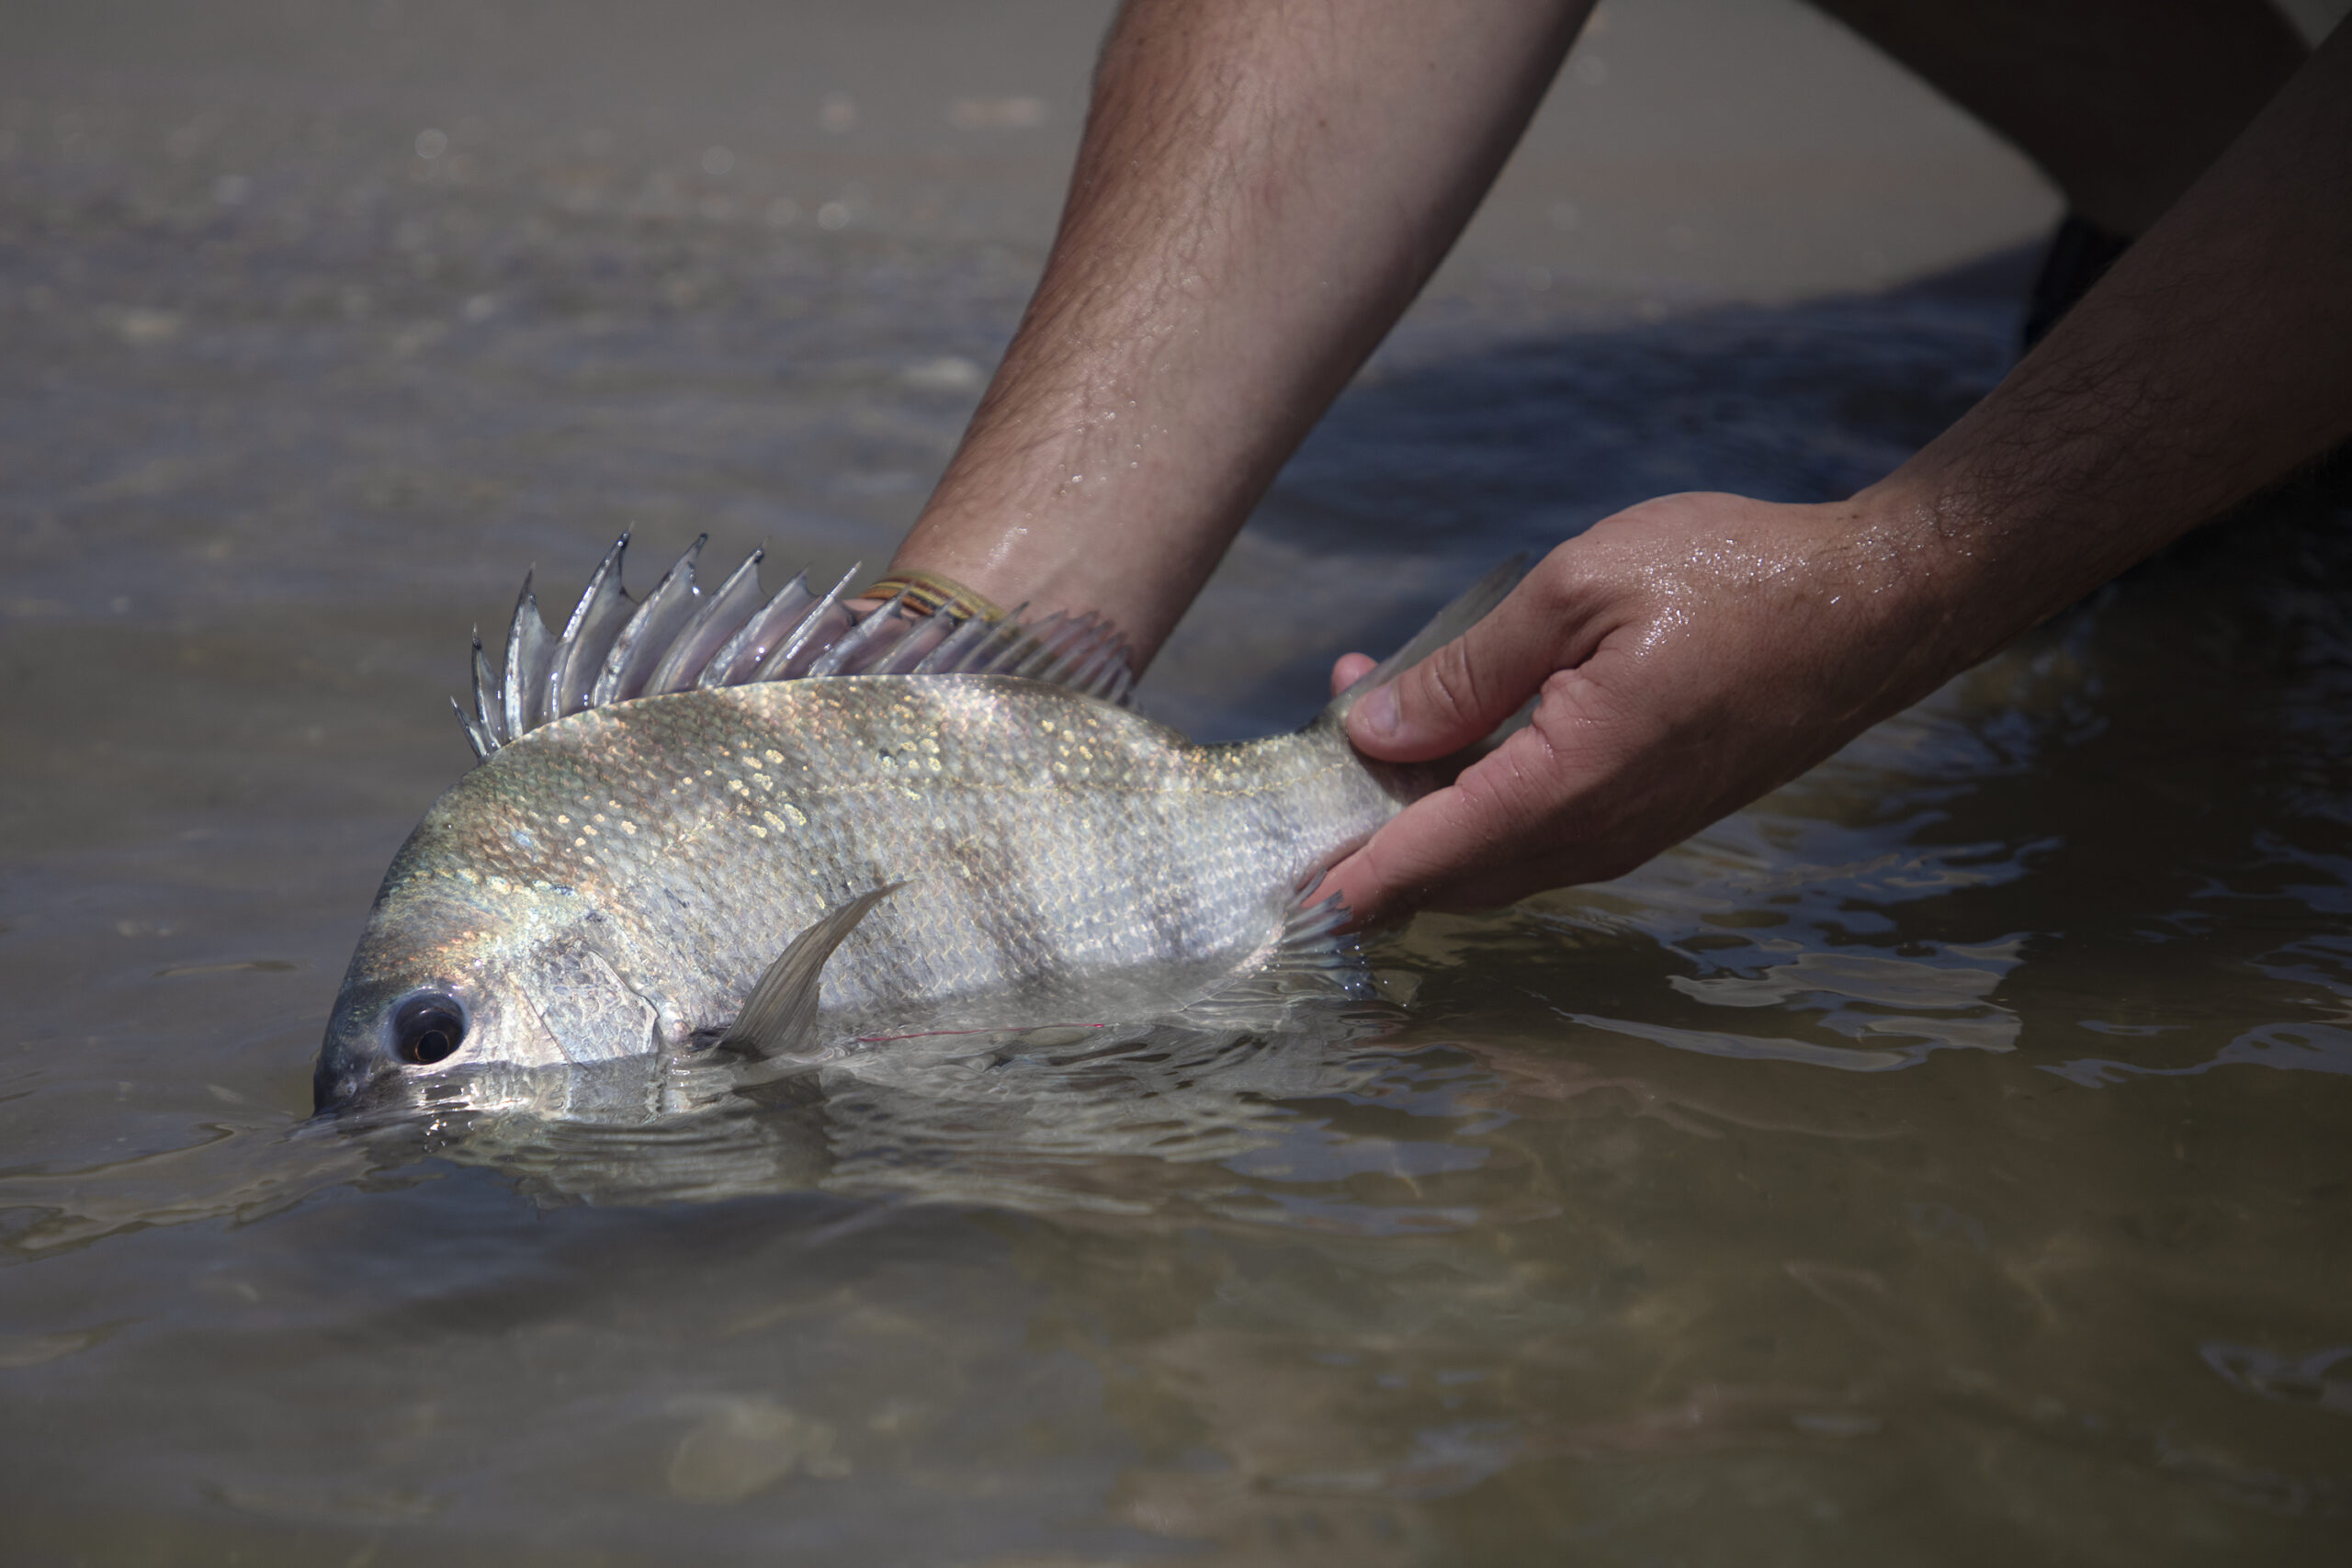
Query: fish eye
[(428, 1028)]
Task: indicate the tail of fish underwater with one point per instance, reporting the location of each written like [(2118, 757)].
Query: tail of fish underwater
[(795, 864)]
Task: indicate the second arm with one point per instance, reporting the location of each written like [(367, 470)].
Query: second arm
[(1264, 186)]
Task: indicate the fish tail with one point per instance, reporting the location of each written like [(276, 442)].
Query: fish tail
[(1448, 624)]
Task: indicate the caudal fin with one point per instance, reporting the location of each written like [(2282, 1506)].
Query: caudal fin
[(1448, 624)]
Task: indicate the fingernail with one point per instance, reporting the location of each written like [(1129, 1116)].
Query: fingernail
[(1379, 711)]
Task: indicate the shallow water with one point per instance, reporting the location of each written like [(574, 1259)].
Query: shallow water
[(1941, 1159)]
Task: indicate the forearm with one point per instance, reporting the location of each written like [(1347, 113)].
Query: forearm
[(1264, 186), (2214, 358), (1696, 650)]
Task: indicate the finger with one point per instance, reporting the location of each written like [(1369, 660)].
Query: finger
[(1350, 669), (1371, 903), (1499, 831), (1413, 862), (1460, 693)]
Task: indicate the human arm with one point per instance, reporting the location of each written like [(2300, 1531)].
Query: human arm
[(1695, 651), (1264, 186)]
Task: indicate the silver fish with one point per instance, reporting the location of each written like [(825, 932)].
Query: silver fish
[(652, 862)]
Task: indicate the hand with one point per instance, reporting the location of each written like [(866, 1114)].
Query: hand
[(1695, 651), (1689, 653)]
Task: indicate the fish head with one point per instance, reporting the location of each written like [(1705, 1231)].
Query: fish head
[(430, 997), (471, 969)]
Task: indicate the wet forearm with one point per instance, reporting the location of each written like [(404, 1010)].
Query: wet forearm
[(2215, 358), (1696, 650), (1262, 189)]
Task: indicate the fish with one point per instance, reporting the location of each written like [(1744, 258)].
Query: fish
[(707, 828)]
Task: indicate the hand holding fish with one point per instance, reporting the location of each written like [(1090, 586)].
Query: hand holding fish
[(1688, 655), (1694, 651)]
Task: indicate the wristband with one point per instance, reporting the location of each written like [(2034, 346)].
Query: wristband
[(931, 593)]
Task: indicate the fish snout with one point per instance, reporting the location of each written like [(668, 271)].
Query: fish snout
[(344, 1076)]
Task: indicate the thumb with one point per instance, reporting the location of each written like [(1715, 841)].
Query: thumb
[(1350, 667), (1459, 695)]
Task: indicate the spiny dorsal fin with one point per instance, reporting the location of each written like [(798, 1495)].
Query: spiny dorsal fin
[(596, 620), (530, 659), (680, 638), (780, 1015), (645, 638)]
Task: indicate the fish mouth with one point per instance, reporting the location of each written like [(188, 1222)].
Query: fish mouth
[(371, 1092), (340, 1085), (355, 1069)]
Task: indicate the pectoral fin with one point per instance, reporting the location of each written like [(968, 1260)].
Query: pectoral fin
[(780, 1015)]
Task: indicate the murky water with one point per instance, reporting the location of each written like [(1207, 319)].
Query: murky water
[(1943, 1159)]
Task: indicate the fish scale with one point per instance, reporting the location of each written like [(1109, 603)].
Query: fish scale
[(998, 816)]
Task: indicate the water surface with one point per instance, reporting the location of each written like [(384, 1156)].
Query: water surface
[(1941, 1160)]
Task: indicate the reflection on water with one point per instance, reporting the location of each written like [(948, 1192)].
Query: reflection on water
[(1941, 1160)]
